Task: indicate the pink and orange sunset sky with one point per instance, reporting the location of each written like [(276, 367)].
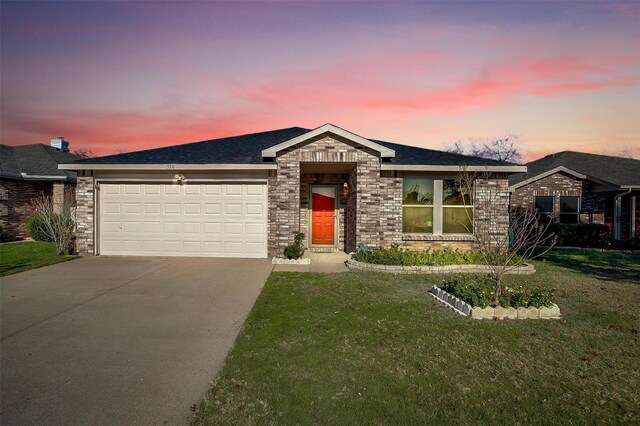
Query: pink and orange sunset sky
[(112, 76)]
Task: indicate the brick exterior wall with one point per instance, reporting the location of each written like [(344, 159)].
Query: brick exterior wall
[(377, 199), (371, 211), (15, 203), (592, 204), (491, 209), (85, 226)]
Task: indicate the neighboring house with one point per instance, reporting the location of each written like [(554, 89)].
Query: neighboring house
[(27, 172), (576, 187), (246, 196)]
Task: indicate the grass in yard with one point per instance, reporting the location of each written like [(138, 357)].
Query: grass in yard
[(367, 348), (22, 256)]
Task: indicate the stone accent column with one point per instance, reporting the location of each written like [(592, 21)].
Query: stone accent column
[(284, 205), (85, 215), (390, 208), (57, 196), (491, 209)]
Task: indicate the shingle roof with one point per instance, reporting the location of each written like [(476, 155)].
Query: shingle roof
[(614, 170), (35, 160), (247, 149)]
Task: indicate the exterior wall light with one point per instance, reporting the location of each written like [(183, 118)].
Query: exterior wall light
[(179, 178)]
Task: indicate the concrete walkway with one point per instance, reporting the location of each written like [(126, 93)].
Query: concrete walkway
[(119, 340), (320, 262)]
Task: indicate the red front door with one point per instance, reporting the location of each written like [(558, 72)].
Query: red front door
[(323, 216)]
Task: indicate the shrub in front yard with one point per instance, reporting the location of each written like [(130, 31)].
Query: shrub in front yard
[(38, 229), (588, 235), (395, 255), (295, 250), (479, 290)]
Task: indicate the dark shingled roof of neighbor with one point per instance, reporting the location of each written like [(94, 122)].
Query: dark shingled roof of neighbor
[(35, 160), (614, 170), (247, 149)]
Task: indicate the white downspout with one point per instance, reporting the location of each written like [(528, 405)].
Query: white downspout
[(632, 210), (617, 207)]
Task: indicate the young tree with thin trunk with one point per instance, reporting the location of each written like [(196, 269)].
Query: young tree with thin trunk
[(503, 250)]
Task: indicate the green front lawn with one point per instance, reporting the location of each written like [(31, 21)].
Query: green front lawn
[(367, 348), (22, 256)]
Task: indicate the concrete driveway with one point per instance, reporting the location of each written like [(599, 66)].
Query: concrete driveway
[(119, 340)]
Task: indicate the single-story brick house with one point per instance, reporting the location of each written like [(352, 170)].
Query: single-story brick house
[(246, 196), (27, 172), (576, 187)]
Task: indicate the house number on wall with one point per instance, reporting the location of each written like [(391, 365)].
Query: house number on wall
[(171, 166)]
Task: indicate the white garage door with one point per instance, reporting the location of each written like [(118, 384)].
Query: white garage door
[(216, 220)]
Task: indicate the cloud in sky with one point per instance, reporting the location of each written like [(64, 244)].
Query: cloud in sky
[(113, 75)]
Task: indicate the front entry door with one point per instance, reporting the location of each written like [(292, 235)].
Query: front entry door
[(323, 215)]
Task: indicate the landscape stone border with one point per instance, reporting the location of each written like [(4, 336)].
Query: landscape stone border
[(354, 265), (463, 308), (283, 261)]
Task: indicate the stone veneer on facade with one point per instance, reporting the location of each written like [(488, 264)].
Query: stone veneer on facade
[(376, 198), (370, 209), (85, 226)]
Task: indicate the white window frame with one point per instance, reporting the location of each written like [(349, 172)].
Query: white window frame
[(438, 207)]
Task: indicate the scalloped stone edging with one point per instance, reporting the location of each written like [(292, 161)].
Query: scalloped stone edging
[(283, 261), (463, 308), (354, 265)]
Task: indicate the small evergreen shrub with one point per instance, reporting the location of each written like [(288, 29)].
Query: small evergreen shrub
[(479, 290), (37, 229), (395, 255), (295, 250), (587, 235)]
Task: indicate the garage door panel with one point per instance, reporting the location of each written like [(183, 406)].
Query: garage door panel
[(152, 208), (171, 227), (255, 229), (175, 220), (192, 189), (233, 209), (192, 227), (192, 208), (255, 248), (170, 190), (213, 227), (255, 190), (132, 190), (213, 208), (152, 189), (213, 190), (133, 227), (233, 190), (172, 208), (111, 208)]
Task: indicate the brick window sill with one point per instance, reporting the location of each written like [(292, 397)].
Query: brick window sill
[(431, 237)]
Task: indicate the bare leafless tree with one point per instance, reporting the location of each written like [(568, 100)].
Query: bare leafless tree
[(57, 219), (503, 250), (505, 149), (84, 153)]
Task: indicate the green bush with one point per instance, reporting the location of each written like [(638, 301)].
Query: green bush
[(295, 250), (395, 255), (479, 290), (588, 235), (632, 244), (37, 229)]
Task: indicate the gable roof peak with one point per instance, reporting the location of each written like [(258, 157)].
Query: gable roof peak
[(384, 151)]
